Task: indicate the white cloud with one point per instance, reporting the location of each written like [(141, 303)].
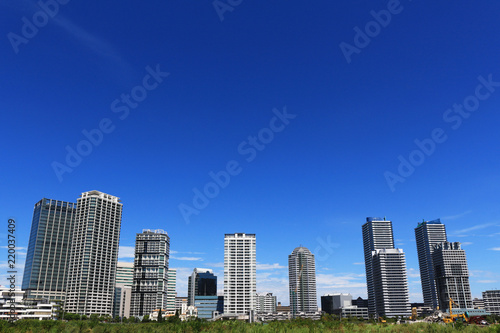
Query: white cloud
[(495, 249), (18, 248), (476, 227), (215, 264), (412, 272), (269, 266), (466, 243), (454, 217), (486, 281), (358, 263), (126, 252), (187, 258), (335, 281)]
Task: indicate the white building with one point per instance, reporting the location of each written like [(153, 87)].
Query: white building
[(266, 303), (392, 297), (125, 273), (13, 307), (121, 304), (240, 283), (302, 281), (491, 300), (171, 286), (94, 254)]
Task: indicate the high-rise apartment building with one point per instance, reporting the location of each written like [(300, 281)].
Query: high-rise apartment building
[(240, 282), (125, 273), (266, 303), (302, 281), (46, 265), (377, 234), (171, 290), (149, 292), (491, 299), (451, 275), (94, 254), (428, 234), (390, 283), (202, 282)]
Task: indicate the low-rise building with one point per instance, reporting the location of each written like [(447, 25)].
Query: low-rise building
[(491, 300)]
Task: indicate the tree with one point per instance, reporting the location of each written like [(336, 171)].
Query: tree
[(160, 316), (145, 319)]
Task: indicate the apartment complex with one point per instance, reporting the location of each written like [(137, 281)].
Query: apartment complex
[(240, 283), (451, 275), (49, 246), (302, 281), (149, 291), (428, 234), (94, 254), (491, 300), (266, 303)]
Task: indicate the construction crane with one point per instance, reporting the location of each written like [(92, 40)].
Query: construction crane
[(453, 317), (414, 313)]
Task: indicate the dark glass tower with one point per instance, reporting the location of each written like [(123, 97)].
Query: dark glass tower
[(428, 234), (48, 250), (202, 282)]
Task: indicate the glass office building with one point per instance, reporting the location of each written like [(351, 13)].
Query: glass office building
[(48, 249)]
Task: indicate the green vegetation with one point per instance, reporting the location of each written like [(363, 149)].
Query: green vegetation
[(326, 324)]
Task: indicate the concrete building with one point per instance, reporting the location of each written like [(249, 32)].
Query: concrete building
[(428, 234), (149, 292), (377, 234), (451, 275), (13, 306), (171, 287), (181, 304), (302, 281), (240, 282), (266, 303), (122, 300), (478, 303), (45, 270), (392, 297), (94, 254), (491, 300), (125, 273)]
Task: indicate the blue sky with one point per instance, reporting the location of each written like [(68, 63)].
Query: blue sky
[(319, 124)]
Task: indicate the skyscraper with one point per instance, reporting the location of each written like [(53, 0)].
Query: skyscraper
[(202, 282), (123, 289), (149, 292), (428, 234), (390, 283), (377, 234), (94, 254), (48, 250), (240, 283), (302, 281), (451, 275), (125, 273)]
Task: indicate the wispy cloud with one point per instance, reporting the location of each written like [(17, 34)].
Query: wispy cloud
[(495, 249), (269, 266), (466, 243), (187, 258), (358, 263), (457, 216), (336, 281), (476, 227), (126, 252), (412, 272), (486, 281)]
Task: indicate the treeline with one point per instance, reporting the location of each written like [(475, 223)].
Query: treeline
[(326, 324)]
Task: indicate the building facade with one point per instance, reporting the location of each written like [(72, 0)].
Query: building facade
[(266, 303), (240, 282), (377, 234), (171, 290), (202, 282), (149, 291), (94, 254), (341, 305), (125, 273), (302, 281), (392, 297), (451, 275), (46, 264), (491, 299), (122, 300), (428, 234)]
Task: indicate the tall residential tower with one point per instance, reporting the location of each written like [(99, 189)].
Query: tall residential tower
[(240, 282), (302, 281), (428, 234), (94, 254), (150, 289)]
